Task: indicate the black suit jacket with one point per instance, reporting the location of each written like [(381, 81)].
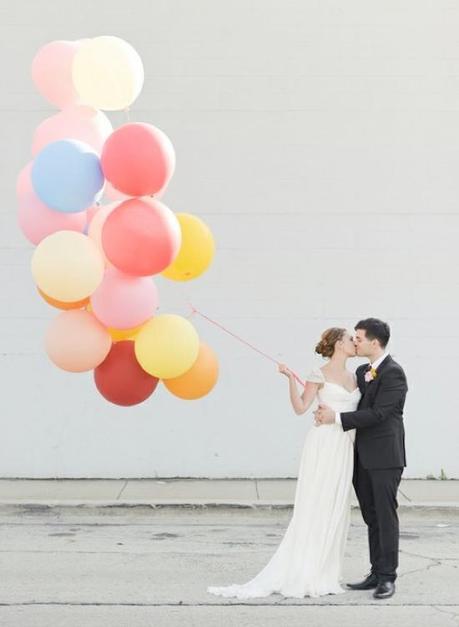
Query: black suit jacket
[(378, 420)]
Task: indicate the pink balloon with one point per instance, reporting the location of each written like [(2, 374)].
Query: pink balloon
[(23, 181), (122, 301), (141, 236), (52, 72), (36, 220), (76, 341), (138, 159), (76, 122)]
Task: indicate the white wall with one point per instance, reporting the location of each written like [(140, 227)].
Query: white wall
[(320, 142)]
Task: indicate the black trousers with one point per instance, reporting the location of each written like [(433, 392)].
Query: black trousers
[(376, 492)]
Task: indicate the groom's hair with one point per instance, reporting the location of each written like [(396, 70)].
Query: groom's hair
[(375, 329)]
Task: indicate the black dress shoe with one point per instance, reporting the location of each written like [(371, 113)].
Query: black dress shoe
[(370, 582), (384, 590)]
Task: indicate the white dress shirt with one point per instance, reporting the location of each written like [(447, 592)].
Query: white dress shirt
[(374, 365)]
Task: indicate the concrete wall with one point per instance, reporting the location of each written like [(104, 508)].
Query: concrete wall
[(320, 142)]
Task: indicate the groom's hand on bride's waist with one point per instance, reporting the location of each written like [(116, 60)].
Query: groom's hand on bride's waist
[(324, 415)]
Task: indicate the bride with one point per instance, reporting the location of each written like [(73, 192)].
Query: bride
[(309, 558)]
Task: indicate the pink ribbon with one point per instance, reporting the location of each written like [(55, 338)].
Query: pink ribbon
[(220, 326)]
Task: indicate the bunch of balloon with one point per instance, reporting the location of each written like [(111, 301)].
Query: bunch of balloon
[(96, 262)]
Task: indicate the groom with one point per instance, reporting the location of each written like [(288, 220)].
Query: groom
[(379, 451)]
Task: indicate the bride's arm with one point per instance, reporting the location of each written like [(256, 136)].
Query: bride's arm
[(302, 403)]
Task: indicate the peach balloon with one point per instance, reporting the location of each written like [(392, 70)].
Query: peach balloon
[(199, 380), (122, 301), (35, 219), (52, 72), (76, 122), (79, 304), (67, 266), (76, 341), (91, 212), (96, 225)]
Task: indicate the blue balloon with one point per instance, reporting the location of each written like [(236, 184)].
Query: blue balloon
[(67, 176)]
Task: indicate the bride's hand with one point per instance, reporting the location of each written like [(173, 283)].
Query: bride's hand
[(284, 370)]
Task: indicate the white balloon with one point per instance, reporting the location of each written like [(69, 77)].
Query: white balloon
[(107, 73)]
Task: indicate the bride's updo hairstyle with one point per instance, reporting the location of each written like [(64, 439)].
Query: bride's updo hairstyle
[(328, 339)]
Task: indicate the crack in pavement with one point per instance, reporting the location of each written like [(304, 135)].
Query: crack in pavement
[(434, 562), (122, 490), (429, 557), (454, 615)]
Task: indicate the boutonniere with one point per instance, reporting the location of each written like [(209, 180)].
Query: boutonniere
[(370, 375)]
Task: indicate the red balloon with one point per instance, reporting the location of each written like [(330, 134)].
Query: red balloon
[(138, 159), (141, 237), (120, 379)]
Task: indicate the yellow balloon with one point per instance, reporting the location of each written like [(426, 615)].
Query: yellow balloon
[(167, 346), (107, 73), (67, 266), (196, 251), (118, 335)]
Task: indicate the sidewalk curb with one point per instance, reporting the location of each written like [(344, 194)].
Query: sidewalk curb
[(200, 504)]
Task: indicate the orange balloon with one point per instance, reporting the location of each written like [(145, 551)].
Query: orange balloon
[(199, 379), (60, 304)]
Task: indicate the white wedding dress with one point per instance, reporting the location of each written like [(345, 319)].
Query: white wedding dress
[(309, 559)]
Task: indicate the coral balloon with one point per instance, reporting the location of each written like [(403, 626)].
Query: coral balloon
[(82, 123), (196, 252), (59, 304), (121, 380), (138, 159), (124, 301), (67, 266), (107, 73), (35, 219), (52, 72), (76, 341), (167, 346), (66, 176), (199, 380), (141, 237)]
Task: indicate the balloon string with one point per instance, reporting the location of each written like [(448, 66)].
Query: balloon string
[(220, 326)]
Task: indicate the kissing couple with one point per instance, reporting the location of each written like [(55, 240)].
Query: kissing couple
[(358, 439)]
